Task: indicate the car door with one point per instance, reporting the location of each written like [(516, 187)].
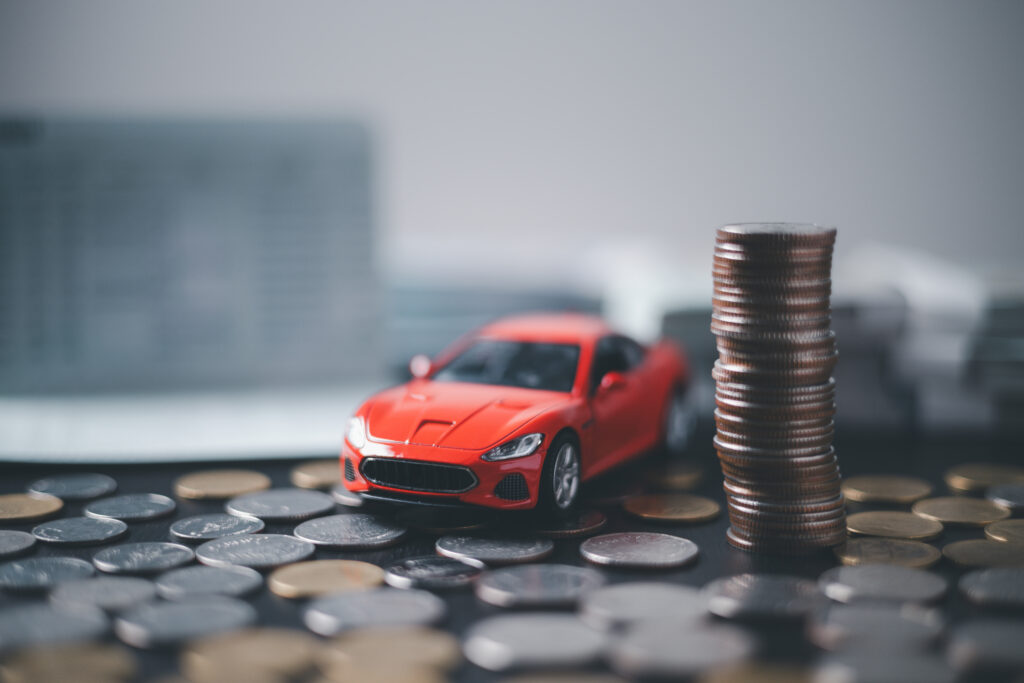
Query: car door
[(614, 404)]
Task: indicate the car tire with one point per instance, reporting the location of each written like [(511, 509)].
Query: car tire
[(561, 478), (679, 421)]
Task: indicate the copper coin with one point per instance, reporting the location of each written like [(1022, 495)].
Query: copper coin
[(320, 577), (16, 507), (984, 552), (871, 550), (672, 507), (978, 476), (317, 474), (779, 546), (960, 511), (675, 477), (250, 654), (893, 524), (885, 488), (1006, 531), (219, 484)]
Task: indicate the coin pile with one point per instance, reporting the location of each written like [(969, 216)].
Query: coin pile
[(774, 393)]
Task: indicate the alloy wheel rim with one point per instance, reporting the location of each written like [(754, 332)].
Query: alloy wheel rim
[(566, 476)]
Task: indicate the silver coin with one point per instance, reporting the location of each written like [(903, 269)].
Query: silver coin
[(639, 549), (877, 626), (1002, 587), (333, 614), (987, 644), (670, 649), (433, 572), (75, 486), (168, 623), (217, 525), (350, 531), (532, 641), (495, 551), (142, 558), (189, 582), (41, 623), (537, 585), (623, 604), (1007, 495), (80, 530), (42, 573), (343, 496), (281, 505), (109, 593), (883, 667), (882, 582), (762, 596), (258, 551), (15, 543), (131, 507)]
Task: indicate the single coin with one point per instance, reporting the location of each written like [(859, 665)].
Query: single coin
[(220, 484), (870, 550), (69, 662), (885, 488), (762, 596), (883, 665), (442, 521), (672, 507), (582, 523), (433, 572), (639, 549), (17, 507), (281, 505), (217, 525), (532, 641), (1010, 496), (320, 577), (675, 477), (978, 476), (960, 511), (565, 677), (893, 524), (317, 474), (619, 606), (42, 573), (351, 531), (343, 496), (250, 653), (142, 558), (882, 582), (994, 587), (664, 650), (82, 486), (984, 553), (109, 593), (495, 551), (401, 646), (258, 551), (132, 507), (333, 614), (758, 672), (987, 644), (200, 580), (39, 623), (537, 585), (1006, 531), (80, 531), (15, 543), (875, 625), (158, 624)]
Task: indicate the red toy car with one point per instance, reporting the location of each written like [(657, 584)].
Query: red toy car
[(518, 414)]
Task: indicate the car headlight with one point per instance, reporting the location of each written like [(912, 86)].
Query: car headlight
[(356, 433), (516, 448)]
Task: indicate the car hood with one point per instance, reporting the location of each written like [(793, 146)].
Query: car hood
[(454, 414)]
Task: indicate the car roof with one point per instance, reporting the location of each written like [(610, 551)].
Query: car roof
[(550, 327)]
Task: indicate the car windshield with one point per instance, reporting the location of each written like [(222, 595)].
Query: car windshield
[(530, 365)]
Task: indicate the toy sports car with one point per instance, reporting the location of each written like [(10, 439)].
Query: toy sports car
[(518, 414)]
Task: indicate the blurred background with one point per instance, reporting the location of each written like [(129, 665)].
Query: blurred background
[(222, 224)]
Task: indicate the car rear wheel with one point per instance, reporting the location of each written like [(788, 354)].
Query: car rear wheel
[(560, 480)]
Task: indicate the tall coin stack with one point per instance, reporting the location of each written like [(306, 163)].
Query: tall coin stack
[(774, 393)]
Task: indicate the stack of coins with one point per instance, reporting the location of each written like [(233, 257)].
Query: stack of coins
[(774, 393)]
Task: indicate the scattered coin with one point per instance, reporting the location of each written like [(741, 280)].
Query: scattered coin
[(757, 672), (131, 507), (885, 488), (537, 585), (565, 677), (495, 551), (217, 525), (581, 523), (350, 531), (1010, 496), (281, 505), (258, 551), (109, 593), (17, 507), (433, 572), (994, 587), (69, 662), (893, 524), (343, 496), (884, 626), (35, 624), (42, 573), (74, 486), (277, 653), (870, 550), (532, 641), (317, 474), (442, 521), (639, 549), (142, 558), (987, 644), (985, 553), (333, 614), (672, 507), (159, 624), (220, 484), (614, 607), (402, 646), (979, 476), (960, 511), (882, 582), (1006, 531), (884, 666), (659, 649), (15, 543), (762, 596), (320, 577), (200, 580), (80, 530), (675, 477)]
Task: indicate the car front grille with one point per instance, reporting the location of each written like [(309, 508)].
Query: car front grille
[(413, 475)]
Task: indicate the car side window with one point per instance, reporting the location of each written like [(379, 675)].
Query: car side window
[(614, 354)]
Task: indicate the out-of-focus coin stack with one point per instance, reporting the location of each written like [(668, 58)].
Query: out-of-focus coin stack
[(774, 393)]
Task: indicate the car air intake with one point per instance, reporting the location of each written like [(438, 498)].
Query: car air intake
[(512, 487), (413, 475), (350, 472)]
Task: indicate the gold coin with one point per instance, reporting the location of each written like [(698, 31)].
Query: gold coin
[(220, 484), (960, 511), (317, 474), (26, 506), (678, 477), (672, 507), (53, 663), (402, 646), (564, 677), (1006, 531), (977, 476), (983, 552), (872, 550), (383, 671), (884, 488), (892, 524), (319, 577), (257, 653), (757, 672)]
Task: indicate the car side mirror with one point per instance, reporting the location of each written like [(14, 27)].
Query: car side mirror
[(420, 366), (612, 381)]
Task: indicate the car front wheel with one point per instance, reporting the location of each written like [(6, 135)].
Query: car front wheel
[(560, 481)]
